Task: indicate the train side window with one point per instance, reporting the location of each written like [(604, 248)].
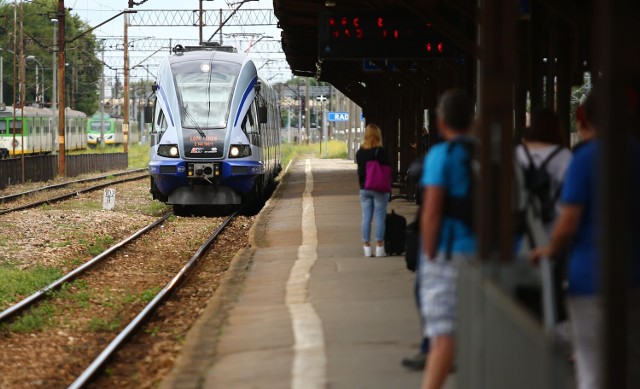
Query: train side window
[(15, 127)]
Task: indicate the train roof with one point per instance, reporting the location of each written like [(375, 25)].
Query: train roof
[(40, 112), (208, 54)]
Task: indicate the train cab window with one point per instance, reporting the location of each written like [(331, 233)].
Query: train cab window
[(3, 127), (250, 126), (161, 123)]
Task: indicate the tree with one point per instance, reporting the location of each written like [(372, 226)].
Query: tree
[(83, 68)]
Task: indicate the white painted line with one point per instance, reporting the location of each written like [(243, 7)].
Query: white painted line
[(309, 368)]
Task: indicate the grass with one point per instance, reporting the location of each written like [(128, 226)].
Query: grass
[(77, 292), (98, 325), (17, 282), (335, 150), (156, 208), (149, 294), (100, 244), (33, 320), (138, 154)]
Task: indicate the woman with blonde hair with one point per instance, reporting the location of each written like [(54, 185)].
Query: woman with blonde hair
[(373, 203)]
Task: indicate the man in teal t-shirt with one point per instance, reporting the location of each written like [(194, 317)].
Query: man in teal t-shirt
[(446, 239)]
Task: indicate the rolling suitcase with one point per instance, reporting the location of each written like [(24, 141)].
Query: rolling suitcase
[(394, 233)]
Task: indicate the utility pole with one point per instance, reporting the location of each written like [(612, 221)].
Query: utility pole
[(54, 68), (200, 23), (61, 64), (15, 50), (24, 86), (102, 100), (300, 113), (125, 112)]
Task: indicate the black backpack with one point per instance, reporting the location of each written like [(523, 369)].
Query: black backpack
[(537, 182), (462, 208)]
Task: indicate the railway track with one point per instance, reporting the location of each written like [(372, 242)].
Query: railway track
[(148, 310), (88, 374), (41, 293), (14, 196), (64, 196)]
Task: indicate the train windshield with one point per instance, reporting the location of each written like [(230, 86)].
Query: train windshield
[(204, 90), (95, 125)]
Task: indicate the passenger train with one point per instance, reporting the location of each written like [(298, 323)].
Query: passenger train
[(111, 130), (36, 131), (215, 136)]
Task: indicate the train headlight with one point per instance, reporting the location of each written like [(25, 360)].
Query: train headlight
[(239, 151), (169, 151)]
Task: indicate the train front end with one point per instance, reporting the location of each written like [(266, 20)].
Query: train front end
[(201, 152)]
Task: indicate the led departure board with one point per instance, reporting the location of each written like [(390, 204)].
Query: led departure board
[(353, 35)]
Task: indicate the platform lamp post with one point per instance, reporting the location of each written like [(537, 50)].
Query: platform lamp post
[(41, 91), (323, 134)]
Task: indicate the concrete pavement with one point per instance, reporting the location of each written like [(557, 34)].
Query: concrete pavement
[(312, 311)]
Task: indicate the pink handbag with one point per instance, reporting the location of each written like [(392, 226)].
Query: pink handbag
[(378, 176)]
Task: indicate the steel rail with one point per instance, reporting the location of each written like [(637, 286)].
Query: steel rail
[(110, 350), (62, 185), (29, 301), (69, 195)]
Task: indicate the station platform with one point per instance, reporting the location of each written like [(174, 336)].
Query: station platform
[(303, 308)]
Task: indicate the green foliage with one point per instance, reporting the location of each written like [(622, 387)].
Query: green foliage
[(16, 282), (100, 325), (138, 154), (84, 67), (33, 320), (156, 208), (77, 292), (152, 331), (149, 294), (336, 150)]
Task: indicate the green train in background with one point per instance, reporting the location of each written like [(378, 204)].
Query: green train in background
[(36, 131), (112, 130)]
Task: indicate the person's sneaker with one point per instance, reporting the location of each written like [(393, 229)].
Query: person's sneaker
[(416, 362), (367, 251), (380, 251)]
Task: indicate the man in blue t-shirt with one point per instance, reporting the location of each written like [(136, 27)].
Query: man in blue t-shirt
[(575, 228), (446, 238)]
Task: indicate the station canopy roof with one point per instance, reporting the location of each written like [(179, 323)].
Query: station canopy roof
[(353, 43)]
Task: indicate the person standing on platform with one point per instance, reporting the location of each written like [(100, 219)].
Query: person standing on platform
[(542, 148), (447, 238), (373, 203), (585, 131)]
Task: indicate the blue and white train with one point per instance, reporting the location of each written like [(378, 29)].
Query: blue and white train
[(215, 136)]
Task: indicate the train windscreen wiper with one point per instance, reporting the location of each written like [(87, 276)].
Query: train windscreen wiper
[(188, 115)]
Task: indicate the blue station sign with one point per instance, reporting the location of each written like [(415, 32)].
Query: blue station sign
[(338, 116)]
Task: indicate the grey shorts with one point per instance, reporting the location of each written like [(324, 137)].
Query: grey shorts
[(438, 294)]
